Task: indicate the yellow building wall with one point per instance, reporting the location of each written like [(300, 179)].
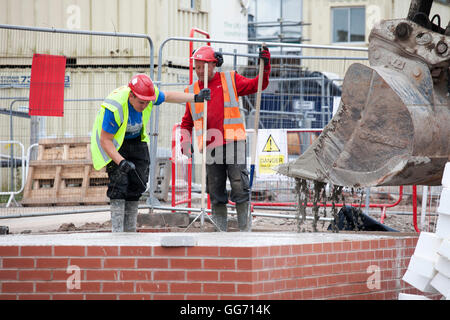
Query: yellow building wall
[(159, 19)]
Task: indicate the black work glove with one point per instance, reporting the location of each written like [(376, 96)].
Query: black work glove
[(219, 58), (126, 166), (204, 94), (265, 55)]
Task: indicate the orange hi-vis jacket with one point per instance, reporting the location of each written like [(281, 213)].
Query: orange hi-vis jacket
[(233, 124)]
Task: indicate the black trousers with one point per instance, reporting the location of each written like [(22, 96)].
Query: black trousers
[(228, 161), (129, 186)]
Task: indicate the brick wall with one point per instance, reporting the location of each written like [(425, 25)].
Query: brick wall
[(367, 269)]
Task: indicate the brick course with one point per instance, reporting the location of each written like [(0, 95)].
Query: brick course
[(334, 270)]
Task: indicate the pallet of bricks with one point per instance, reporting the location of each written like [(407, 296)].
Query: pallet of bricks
[(63, 174)]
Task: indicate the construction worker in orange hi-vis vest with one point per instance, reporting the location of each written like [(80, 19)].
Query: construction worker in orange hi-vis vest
[(226, 137)]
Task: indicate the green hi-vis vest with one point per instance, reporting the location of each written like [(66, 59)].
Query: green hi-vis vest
[(117, 103)]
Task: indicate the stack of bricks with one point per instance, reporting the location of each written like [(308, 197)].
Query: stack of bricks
[(429, 268), (346, 267)]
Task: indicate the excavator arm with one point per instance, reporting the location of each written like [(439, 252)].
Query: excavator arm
[(393, 124)]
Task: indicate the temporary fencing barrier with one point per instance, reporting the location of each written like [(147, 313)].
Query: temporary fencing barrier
[(300, 97), (296, 99), (12, 169), (277, 194), (282, 99), (429, 198), (96, 64)]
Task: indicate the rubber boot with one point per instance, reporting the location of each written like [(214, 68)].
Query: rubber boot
[(117, 214), (219, 216), (244, 221), (131, 212)]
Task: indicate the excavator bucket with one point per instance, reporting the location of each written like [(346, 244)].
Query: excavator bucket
[(393, 124)]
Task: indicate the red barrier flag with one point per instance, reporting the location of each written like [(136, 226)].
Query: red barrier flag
[(47, 85)]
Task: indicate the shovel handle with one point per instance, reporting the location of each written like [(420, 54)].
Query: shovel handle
[(257, 107), (205, 117)]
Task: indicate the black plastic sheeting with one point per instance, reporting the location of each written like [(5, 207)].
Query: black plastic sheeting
[(351, 218)]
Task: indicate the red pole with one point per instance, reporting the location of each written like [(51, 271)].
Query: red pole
[(191, 48), (383, 214)]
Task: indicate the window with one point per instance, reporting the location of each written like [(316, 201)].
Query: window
[(348, 24), (275, 20), (188, 4)]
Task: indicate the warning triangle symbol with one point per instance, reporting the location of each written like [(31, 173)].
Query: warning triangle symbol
[(270, 145)]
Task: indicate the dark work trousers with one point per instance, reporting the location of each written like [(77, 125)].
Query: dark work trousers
[(227, 161), (129, 186)]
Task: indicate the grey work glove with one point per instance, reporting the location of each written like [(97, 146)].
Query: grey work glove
[(126, 166), (204, 94), (187, 150)]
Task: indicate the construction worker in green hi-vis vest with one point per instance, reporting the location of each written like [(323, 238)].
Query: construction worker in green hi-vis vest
[(119, 142)]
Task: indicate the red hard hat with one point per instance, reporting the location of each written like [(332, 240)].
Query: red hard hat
[(142, 87), (205, 53)]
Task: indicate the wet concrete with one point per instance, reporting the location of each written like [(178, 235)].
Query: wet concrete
[(215, 239)]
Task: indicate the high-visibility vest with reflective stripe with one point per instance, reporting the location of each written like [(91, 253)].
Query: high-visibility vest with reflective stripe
[(233, 124), (117, 103)]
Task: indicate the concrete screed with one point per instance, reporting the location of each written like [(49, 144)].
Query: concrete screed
[(241, 239)]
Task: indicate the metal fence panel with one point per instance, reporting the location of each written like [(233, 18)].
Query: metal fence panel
[(297, 97), (96, 64), (302, 92), (12, 170)]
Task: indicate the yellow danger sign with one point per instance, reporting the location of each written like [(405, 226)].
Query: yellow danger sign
[(271, 152), (267, 162), (270, 145)]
